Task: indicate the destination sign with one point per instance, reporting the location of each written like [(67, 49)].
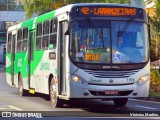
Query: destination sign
[(109, 11)]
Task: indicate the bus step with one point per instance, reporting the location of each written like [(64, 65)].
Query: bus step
[(14, 85), (63, 97), (32, 91)]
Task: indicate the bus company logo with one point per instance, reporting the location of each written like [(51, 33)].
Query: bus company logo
[(111, 81), (106, 67), (19, 64), (110, 67)]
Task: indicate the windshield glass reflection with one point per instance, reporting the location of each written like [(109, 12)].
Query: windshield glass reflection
[(91, 43)]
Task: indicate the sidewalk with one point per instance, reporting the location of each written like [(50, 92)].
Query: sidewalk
[(155, 98)]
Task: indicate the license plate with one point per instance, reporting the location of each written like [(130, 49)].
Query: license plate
[(111, 92)]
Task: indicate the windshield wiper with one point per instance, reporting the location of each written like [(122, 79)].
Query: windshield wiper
[(102, 36), (90, 21), (125, 27), (99, 35)]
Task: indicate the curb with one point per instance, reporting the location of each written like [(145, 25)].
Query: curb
[(156, 98)]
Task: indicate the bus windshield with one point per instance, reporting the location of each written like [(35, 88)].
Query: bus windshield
[(108, 42)]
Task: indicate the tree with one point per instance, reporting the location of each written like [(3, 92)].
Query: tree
[(155, 32), (118, 1), (40, 7), (155, 21), (43, 6)]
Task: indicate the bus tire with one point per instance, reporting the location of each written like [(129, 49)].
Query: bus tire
[(22, 92), (120, 101), (55, 100)]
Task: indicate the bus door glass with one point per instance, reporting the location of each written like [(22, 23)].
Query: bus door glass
[(30, 59), (62, 62), (13, 58)]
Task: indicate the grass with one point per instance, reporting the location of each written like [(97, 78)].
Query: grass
[(153, 94)]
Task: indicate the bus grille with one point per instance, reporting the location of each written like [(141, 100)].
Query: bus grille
[(111, 74)]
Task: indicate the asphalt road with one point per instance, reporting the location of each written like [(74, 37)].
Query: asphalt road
[(10, 101)]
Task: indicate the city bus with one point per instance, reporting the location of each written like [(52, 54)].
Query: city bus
[(74, 53)]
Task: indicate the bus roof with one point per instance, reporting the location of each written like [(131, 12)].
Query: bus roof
[(61, 10)]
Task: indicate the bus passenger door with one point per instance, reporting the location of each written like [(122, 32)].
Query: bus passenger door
[(62, 61), (31, 82), (13, 59)]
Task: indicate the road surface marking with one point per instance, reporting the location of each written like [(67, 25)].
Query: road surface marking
[(5, 108), (9, 107), (15, 108), (145, 107)]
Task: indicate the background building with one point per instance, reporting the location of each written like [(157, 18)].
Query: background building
[(11, 12)]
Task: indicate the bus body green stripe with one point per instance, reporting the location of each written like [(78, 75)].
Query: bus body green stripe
[(21, 59), (45, 17), (28, 24), (8, 68)]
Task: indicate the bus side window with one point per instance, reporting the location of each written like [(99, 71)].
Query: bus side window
[(9, 43), (53, 41), (19, 41), (38, 36), (45, 35), (24, 41), (45, 42), (46, 27), (53, 27), (53, 34)]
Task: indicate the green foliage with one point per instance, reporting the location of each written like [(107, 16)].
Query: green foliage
[(148, 1), (37, 6), (118, 1), (153, 94), (155, 77), (155, 31), (153, 50), (84, 1), (155, 80), (155, 21), (43, 6)]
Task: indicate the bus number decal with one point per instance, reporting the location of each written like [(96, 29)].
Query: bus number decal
[(44, 66), (130, 79)]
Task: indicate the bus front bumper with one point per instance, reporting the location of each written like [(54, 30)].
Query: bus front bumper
[(104, 91)]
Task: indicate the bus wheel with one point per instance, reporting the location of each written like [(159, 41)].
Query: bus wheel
[(22, 92), (55, 101), (120, 101)]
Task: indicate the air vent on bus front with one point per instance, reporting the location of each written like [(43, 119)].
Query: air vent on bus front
[(111, 74)]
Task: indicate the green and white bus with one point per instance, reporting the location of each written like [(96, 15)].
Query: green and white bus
[(74, 53)]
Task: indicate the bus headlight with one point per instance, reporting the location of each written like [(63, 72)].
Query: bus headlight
[(75, 78), (143, 80), (80, 81)]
